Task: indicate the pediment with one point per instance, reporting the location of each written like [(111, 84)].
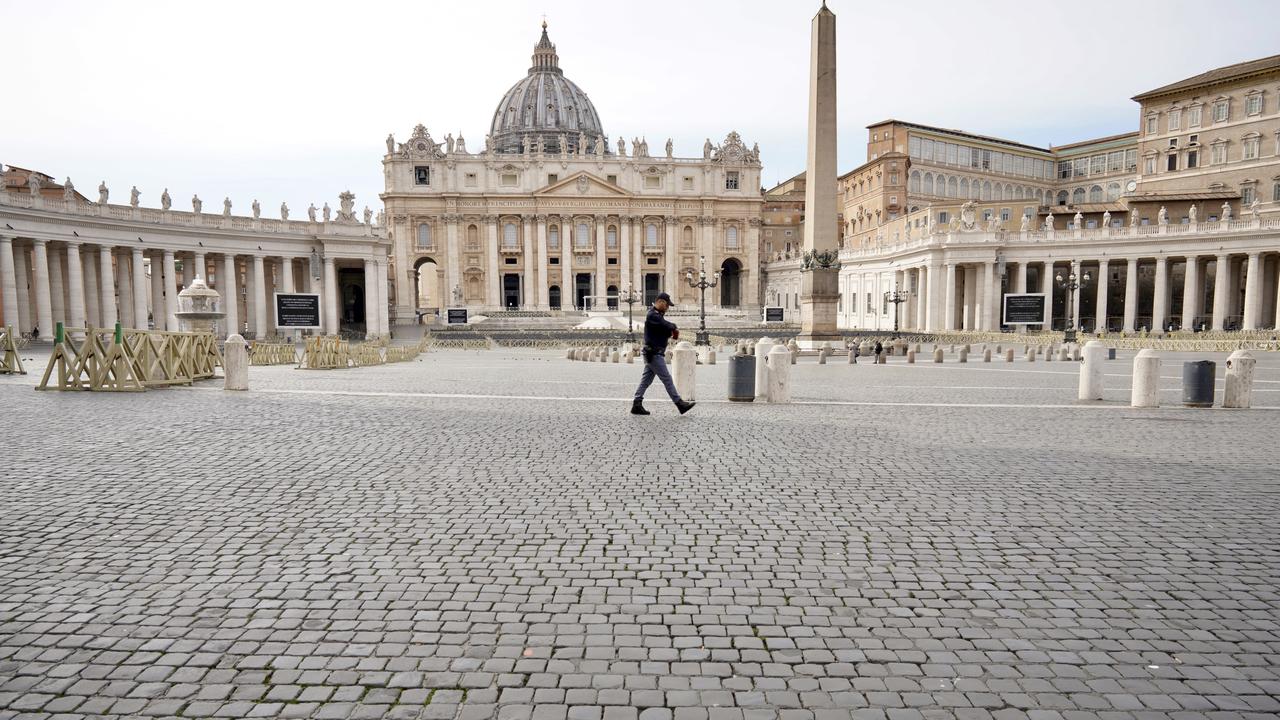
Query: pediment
[(582, 184)]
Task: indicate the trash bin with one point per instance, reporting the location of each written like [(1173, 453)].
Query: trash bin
[(1197, 383), (1111, 353), (742, 378)]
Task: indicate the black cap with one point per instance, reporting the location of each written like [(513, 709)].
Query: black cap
[(664, 296)]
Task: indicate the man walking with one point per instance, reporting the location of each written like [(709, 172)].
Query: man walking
[(657, 331)]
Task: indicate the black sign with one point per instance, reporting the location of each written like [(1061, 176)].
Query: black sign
[(457, 316), (298, 310), (773, 314), (1024, 309)]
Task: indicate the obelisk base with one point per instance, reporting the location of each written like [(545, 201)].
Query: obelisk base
[(819, 303)]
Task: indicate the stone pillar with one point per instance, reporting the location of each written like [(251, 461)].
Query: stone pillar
[(259, 298), (671, 279), (92, 294), (170, 292), (990, 285), (949, 299), (970, 296), (384, 304), (1276, 323), (1131, 295), (370, 299), (819, 292), (75, 287), (125, 282), (599, 287), (44, 302), (453, 269), (287, 282), (158, 318), (188, 271), (1075, 300), (1192, 292), (566, 266), (1020, 278), (250, 299), (751, 288), (624, 255), (57, 287), (922, 299), (202, 267), (227, 281), (1100, 316), (107, 286), (139, 298), (493, 273), (9, 283), (934, 308), (1221, 292), (332, 320), (1252, 292), (543, 270), (1160, 304), (22, 267)]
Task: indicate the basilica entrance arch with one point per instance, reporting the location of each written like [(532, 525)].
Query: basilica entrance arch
[(730, 283), (511, 291), (427, 290)]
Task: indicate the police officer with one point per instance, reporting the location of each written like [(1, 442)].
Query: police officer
[(657, 331)]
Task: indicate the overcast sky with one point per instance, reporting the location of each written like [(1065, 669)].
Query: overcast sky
[(293, 101)]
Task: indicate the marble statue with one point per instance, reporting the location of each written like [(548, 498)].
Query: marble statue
[(644, 146), (460, 145), (1106, 219), (670, 147), (600, 146), (1025, 226), (103, 193), (457, 295), (564, 144), (448, 143), (368, 215), (196, 205), (391, 143), (1163, 217), (325, 212), (33, 183), (226, 207), (1226, 211), (1077, 221), (488, 143), (311, 212), (382, 218), (1048, 222), (284, 211), (166, 202), (1133, 218), (68, 191), (1253, 208), (257, 209), (622, 147), (706, 149), (582, 143), (1191, 214), (134, 196), (346, 207), (755, 151)]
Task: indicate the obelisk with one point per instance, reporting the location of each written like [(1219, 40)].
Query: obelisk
[(820, 278)]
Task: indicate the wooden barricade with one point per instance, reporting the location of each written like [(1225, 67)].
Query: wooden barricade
[(272, 353), (325, 353), (402, 353), (128, 360), (367, 353), (10, 361)]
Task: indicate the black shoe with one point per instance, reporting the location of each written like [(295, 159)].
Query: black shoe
[(637, 408), (685, 407)]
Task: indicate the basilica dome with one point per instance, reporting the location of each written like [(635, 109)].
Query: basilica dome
[(543, 106)]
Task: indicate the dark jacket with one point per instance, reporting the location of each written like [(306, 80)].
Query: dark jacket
[(657, 331)]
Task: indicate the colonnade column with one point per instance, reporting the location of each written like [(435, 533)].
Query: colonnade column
[(670, 280), (139, 298), (170, 291), (637, 266), (1160, 303), (124, 280), (57, 287), (1221, 292), (1131, 296), (330, 283), (259, 297), (202, 267), (1075, 300), (566, 266), (23, 285), (9, 283), (188, 271), (602, 282), (1192, 292), (75, 286), (544, 271), (922, 298), (287, 282), (44, 309), (107, 286), (158, 315), (1020, 286), (384, 304), (624, 255), (1252, 292), (370, 299), (230, 296), (949, 299), (92, 295), (1046, 287), (970, 297), (528, 255), (1100, 321), (493, 297), (990, 319)]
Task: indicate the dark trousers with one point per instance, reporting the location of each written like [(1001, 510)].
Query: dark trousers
[(656, 366)]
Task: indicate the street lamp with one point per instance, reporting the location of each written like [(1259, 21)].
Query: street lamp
[(630, 298), (897, 297), (702, 283), (1071, 283)]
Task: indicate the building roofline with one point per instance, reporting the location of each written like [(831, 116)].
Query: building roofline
[(961, 133), (1216, 76), (1095, 141)]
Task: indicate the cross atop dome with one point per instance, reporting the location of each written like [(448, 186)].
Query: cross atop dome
[(544, 53)]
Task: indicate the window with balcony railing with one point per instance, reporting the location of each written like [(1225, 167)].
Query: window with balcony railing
[(424, 236), (509, 235), (583, 237)]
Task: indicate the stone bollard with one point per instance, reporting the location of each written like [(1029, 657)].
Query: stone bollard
[(1031, 355), (1048, 354), (763, 346), (668, 355), (911, 357), (629, 358), (822, 356), (1239, 389), (683, 366), (569, 354), (882, 358), (937, 355), (986, 355), (1095, 354), (999, 349), (951, 349), (779, 376), (964, 354), (711, 357), (235, 363), (967, 349), (1008, 355), (853, 356), (917, 347), (613, 356), (1076, 353), (795, 353), (1063, 355), (1146, 379)]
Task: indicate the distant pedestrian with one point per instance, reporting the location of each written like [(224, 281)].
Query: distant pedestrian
[(657, 331), (879, 349)]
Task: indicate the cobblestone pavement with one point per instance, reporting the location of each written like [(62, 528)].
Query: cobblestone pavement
[(488, 534)]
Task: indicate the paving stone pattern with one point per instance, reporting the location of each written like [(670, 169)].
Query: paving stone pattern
[(194, 553)]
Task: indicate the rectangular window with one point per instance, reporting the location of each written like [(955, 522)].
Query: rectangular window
[(953, 153), (1253, 104), (1193, 117), (1221, 111), (553, 261), (612, 179), (1080, 167), (552, 179), (1218, 155), (1192, 159), (893, 200), (1115, 161), (1251, 149), (509, 180), (1246, 196), (1130, 160), (1175, 120), (943, 218), (612, 261), (611, 237), (1064, 169), (471, 179), (893, 178), (553, 237), (1097, 164), (1149, 166), (1005, 214), (913, 146), (1275, 192), (1171, 163), (731, 180), (986, 159), (1151, 124), (510, 260), (652, 182), (926, 149), (421, 175), (687, 183), (1193, 139)]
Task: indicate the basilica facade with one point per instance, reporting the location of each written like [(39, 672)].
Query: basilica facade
[(547, 214)]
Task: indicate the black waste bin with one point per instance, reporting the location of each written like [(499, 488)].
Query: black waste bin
[(742, 378), (1111, 353), (1197, 383)]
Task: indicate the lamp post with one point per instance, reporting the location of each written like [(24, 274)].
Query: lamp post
[(702, 283), (897, 297), (630, 298), (1071, 283)]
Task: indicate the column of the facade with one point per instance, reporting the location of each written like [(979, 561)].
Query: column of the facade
[(990, 285), (624, 255), (139, 298), (528, 256), (1077, 271), (949, 299), (21, 269), (567, 296), (107, 286), (1221, 293), (370, 298), (92, 294), (9, 283), (57, 286), (260, 327), (1046, 287), (170, 291), (44, 301), (922, 299), (637, 256), (1100, 314), (124, 281), (1192, 292), (493, 293), (384, 301), (453, 272), (970, 296), (1160, 303), (158, 317), (1131, 295), (330, 285), (751, 293), (228, 280), (1252, 292), (601, 284), (671, 278), (75, 287), (543, 281), (250, 299)]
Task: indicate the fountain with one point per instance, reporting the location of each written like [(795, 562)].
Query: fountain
[(198, 309)]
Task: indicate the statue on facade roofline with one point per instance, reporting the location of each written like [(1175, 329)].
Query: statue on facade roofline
[(1191, 214), (1226, 210), (166, 202), (68, 191), (226, 207), (257, 209), (391, 143), (1025, 226), (1077, 222), (382, 218), (196, 204), (670, 147), (1048, 221), (1163, 217), (368, 215), (1253, 208), (1106, 218), (448, 143), (103, 193), (284, 211), (325, 212), (600, 146), (134, 196), (622, 147), (706, 149), (311, 212), (582, 143), (488, 144), (33, 183), (1133, 217)]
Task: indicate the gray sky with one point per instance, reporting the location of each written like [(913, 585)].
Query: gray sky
[(292, 101)]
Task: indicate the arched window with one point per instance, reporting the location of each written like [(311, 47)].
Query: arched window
[(731, 237), (1003, 192), (584, 235), (424, 236), (1062, 197), (651, 235), (914, 182), (1077, 196), (612, 237), (939, 186), (928, 183), (964, 187), (986, 190), (473, 237), (686, 237), (509, 235), (1095, 194), (1113, 191), (952, 187), (553, 237)]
